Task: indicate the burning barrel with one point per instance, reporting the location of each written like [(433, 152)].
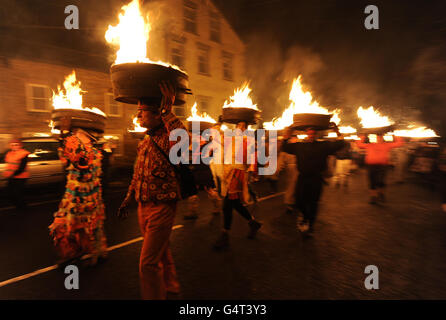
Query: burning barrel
[(79, 119), (235, 115), (317, 121), (135, 81), (377, 130)]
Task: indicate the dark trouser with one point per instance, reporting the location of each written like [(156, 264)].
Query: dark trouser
[(16, 188), (308, 193), (228, 205), (377, 176)]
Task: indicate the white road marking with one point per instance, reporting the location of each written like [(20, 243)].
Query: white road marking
[(123, 244), (84, 257)]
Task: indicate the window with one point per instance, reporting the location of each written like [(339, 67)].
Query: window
[(227, 66), (215, 26), (190, 16), (179, 111), (177, 52), (203, 59), (204, 104), (38, 98), (112, 107), (42, 150)]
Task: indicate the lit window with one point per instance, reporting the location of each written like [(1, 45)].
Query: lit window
[(38, 98), (112, 107), (203, 59), (215, 26), (177, 52), (190, 16), (204, 103), (179, 111), (227, 66)]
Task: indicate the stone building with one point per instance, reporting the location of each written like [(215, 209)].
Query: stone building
[(192, 34)]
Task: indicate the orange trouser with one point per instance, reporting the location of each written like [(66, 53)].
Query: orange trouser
[(156, 267)]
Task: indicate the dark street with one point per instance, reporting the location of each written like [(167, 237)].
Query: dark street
[(404, 239)]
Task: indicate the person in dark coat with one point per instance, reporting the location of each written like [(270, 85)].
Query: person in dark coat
[(311, 163)]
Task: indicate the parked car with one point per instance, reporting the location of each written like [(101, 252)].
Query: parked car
[(44, 164)]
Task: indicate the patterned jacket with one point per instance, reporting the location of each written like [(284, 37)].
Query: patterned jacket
[(154, 178)]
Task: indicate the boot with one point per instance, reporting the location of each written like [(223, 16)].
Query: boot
[(254, 226), (222, 242)]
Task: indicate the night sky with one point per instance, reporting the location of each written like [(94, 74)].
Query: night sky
[(399, 68)]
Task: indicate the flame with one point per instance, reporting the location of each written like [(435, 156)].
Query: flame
[(301, 102), (418, 132), (132, 36), (71, 96), (224, 127), (137, 127), (371, 118), (352, 137), (332, 135), (241, 99), (196, 117), (347, 130)]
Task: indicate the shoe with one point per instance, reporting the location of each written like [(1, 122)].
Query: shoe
[(373, 200), (254, 226), (222, 242), (190, 217)]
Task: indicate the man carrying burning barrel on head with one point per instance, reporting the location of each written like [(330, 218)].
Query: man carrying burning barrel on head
[(311, 163), (156, 189)]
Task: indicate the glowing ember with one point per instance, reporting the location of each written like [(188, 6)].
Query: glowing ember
[(301, 102), (137, 127), (371, 118), (132, 36), (203, 117), (241, 99), (71, 96), (419, 132)]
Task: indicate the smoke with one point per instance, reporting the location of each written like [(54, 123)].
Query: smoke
[(428, 74), (271, 70)]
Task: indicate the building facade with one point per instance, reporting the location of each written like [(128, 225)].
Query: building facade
[(192, 34)]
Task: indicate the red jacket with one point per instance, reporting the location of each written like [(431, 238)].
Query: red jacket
[(378, 153)]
